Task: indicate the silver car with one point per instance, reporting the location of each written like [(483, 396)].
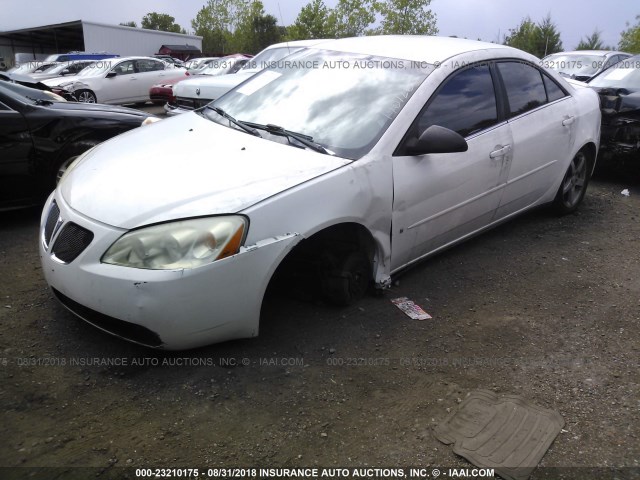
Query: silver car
[(355, 158)]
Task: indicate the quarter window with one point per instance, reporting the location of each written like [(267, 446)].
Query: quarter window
[(554, 92), (465, 104), (524, 85)]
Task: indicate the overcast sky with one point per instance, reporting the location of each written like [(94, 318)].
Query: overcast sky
[(485, 19)]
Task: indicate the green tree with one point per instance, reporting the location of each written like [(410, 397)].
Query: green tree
[(256, 30), (351, 18), (522, 37), (312, 22), (161, 21), (216, 22), (405, 17), (547, 39), (630, 38), (129, 24), (592, 42), (539, 39)]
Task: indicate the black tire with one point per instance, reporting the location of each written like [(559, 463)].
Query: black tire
[(68, 156), (85, 96), (348, 280), (574, 184)]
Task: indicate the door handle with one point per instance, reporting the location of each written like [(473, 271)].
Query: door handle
[(568, 121), (500, 151)]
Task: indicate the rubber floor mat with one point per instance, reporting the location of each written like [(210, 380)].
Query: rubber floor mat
[(506, 433)]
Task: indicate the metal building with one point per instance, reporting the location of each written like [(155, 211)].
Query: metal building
[(84, 36)]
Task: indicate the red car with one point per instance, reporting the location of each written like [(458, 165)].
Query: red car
[(162, 93)]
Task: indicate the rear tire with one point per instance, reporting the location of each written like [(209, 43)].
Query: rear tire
[(574, 184)]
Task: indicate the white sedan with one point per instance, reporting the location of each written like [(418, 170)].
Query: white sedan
[(119, 80), (198, 91), (355, 159)]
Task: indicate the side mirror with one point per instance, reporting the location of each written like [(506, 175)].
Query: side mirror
[(436, 139), (111, 74), (64, 72)]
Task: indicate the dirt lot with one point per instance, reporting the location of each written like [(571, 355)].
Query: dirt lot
[(544, 307)]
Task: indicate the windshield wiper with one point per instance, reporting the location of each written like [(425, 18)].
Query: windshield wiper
[(244, 126), (306, 140)]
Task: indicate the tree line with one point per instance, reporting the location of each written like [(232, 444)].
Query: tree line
[(230, 26)]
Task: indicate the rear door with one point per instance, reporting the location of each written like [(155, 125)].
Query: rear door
[(537, 108)]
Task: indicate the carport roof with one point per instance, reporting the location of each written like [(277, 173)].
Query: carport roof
[(67, 36)]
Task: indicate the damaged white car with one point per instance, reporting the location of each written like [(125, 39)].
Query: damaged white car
[(351, 160)]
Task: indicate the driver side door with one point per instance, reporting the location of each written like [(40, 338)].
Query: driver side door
[(441, 198)]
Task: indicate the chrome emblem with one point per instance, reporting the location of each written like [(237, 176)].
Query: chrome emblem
[(197, 91)]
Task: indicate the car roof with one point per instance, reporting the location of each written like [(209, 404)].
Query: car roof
[(590, 52), (297, 43), (419, 48)]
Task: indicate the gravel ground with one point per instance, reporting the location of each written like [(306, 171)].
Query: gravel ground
[(543, 307)]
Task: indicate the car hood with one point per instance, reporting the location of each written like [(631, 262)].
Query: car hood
[(98, 107), (60, 81), (210, 87), (184, 167)]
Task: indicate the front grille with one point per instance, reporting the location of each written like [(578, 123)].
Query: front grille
[(71, 242), (120, 328), (192, 103), (52, 220)]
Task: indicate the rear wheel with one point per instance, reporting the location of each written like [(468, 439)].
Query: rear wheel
[(85, 96), (574, 184)]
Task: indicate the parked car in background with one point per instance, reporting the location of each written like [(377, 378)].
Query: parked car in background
[(30, 82), (582, 64), (35, 66), (352, 174), (619, 91), (176, 62), (163, 93), (41, 134), (64, 69), (118, 81), (222, 66), (73, 56), (197, 92), (196, 63)]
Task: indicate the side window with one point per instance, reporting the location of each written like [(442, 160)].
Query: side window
[(554, 92), (525, 90), (465, 104), (124, 68), (149, 66), (3, 107)]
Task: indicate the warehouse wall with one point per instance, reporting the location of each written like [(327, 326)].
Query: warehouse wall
[(131, 41)]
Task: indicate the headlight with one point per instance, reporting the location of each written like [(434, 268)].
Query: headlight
[(177, 245)]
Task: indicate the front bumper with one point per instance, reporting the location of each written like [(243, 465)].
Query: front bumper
[(169, 309)]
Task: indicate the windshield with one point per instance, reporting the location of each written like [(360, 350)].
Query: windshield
[(578, 65), (96, 68), (344, 101), (266, 57), (625, 74), (218, 66)]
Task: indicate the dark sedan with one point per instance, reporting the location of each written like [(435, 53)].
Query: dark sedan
[(41, 134), (619, 91)]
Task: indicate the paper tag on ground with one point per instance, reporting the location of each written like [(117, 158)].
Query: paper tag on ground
[(410, 309)]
